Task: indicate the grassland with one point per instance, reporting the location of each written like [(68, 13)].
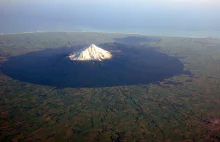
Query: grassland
[(182, 108)]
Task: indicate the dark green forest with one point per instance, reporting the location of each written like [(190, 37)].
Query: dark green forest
[(184, 107)]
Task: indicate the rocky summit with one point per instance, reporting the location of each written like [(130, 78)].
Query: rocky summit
[(92, 52)]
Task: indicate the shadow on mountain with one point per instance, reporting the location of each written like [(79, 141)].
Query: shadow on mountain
[(130, 65)]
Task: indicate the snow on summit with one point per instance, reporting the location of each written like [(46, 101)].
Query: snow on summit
[(92, 52)]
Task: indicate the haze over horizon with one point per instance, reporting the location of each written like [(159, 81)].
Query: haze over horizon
[(131, 15)]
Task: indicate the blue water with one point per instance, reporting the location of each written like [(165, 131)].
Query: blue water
[(7, 28), (148, 32)]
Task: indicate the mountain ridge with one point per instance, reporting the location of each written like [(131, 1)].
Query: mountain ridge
[(92, 52)]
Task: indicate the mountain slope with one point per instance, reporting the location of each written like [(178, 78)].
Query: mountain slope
[(91, 53)]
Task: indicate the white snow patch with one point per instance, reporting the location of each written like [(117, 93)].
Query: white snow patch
[(92, 52)]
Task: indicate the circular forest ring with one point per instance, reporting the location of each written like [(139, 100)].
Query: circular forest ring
[(129, 65)]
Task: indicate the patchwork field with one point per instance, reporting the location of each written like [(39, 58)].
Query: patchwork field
[(184, 107)]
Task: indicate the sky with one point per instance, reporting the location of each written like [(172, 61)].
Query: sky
[(33, 15)]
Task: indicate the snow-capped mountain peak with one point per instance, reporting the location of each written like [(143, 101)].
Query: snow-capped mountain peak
[(92, 52)]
